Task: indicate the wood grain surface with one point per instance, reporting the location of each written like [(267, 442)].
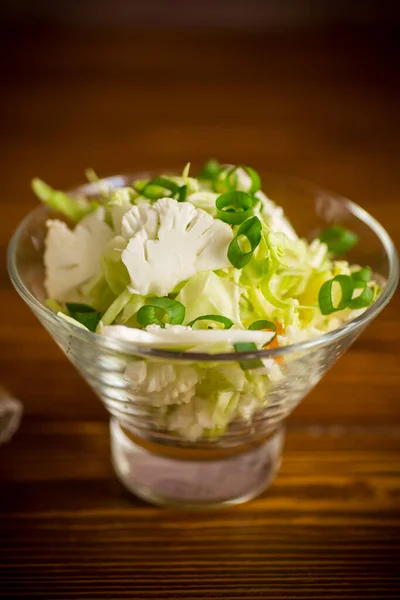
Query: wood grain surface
[(321, 106)]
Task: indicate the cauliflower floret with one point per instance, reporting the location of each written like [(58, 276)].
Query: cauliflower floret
[(169, 242), (190, 420), (120, 203), (72, 257), (165, 383)]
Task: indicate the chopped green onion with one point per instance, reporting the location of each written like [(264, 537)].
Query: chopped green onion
[(160, 184), (88, 316), (231, 179), (251, 229), (61, 202), (147, 315), (77, 307), (338, 239), (234, 207), (159, 308), (227, 323), (364, 299), (264, 325), (325, 294), (182, 193), (210, 169), (247, 347), (362, 275)]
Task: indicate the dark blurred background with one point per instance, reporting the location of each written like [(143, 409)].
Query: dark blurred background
[(299, 86), (204, 13)]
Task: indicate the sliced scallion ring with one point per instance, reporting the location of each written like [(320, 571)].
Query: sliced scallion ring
[(338, 239), (363, 275), (325, 294), (88, 316), (248, 347), (364, 299), (210, 169), (227, 323), (157, 309), (234, 207), (231, 179), (264, 325), (181, 193), (250, 229), (150, 191)]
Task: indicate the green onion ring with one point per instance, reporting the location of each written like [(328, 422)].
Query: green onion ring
[(162, 182), (234, 207), (264, 325), (88, 316), (148, 314), (363, 275), (255, 185), (251, 229), (217, 318), (364, 299), (338, 239), (210, 170), (182, 193), (248, 347), (325, 294)]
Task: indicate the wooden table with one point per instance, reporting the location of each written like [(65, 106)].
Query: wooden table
[(320, 106)]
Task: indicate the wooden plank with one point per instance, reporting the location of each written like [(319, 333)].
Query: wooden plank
[(327, 526)]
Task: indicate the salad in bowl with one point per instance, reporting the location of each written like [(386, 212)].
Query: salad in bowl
[(198, 314)]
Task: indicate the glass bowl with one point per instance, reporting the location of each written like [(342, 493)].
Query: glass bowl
[(192, 429)]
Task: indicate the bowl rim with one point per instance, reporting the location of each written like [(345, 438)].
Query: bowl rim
[(139, 349)]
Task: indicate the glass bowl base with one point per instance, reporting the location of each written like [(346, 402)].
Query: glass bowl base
[(201, 483)]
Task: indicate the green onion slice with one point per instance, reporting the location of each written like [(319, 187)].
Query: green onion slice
[(338, 239), (250, 229), (234, 207), (152, 191), (231, 179), (363, 275), (247, 347), (364, 299), (210, 169), (155, 312), (181, 193), (227, 323), (325, 294), (264, 325), (88, 316)]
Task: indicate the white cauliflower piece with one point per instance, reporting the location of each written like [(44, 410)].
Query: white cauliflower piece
[(163, 383), (169, 242), (120, 203), (190, 420), (72, 257)]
